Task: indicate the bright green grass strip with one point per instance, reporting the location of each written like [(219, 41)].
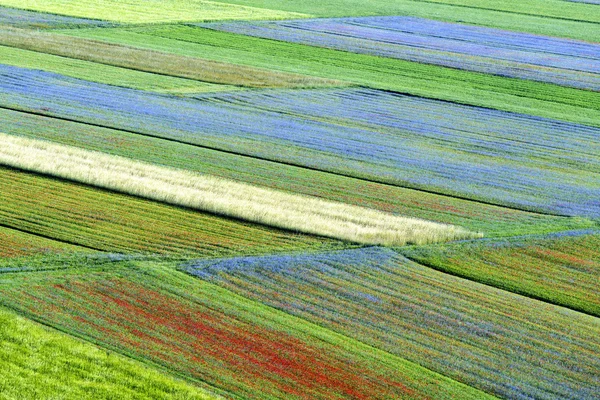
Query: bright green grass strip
[(562, 269), (103, 73), (536, 22), (112, 222), (40, 363), (534, 98), (150, 11), (19, 244), (492, 220), (200, 331)]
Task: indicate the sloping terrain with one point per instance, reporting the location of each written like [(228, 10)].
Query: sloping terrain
[(281, 199)]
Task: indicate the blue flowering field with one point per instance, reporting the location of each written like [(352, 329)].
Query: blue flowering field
[(271, 199)]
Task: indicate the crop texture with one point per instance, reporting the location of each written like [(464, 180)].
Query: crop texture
[(502, 158), (146, 11), (493, 51), (431, 81), (560, 268), (206, 334), (107, 221), (154, 61), (502, 343), (475, 216), (15, 243), (223, 197)]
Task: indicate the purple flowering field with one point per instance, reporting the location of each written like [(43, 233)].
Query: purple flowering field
[(473, 48), (499, 157)]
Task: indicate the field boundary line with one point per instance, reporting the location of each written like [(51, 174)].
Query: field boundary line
[(41, 235), (484, 282), (505, 11)]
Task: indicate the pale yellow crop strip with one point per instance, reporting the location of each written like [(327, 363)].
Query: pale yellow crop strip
[(225, 197)]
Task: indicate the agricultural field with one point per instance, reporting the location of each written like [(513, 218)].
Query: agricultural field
[(410, 145), (493, 51), (560, 268), (155, 313), (33, 19), (488, 338), (417, 79), (277, 199), (79, 368)]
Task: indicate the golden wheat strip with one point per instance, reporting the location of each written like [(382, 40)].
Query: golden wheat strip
[(221, 196)]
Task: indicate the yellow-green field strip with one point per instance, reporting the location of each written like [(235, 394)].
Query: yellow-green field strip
[(151, 11), (39, 362), (223, 197)]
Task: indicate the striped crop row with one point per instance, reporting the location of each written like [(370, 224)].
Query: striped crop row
[(502, 343), (560, 268), (475, 216), (158, 62), (223, 197), (417, 79), (206, 334), (103, 73), (502, 158), (473, 48), (107, 221), (14, 243)]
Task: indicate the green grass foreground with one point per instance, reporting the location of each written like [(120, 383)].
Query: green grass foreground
[(40, 363)]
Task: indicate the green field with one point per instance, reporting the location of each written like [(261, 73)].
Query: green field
[(40, 362), (14, 243), (147, 11), (195, 329), (103, 73), (507, 94), (107, 221), (158, 62), (561, 269)]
